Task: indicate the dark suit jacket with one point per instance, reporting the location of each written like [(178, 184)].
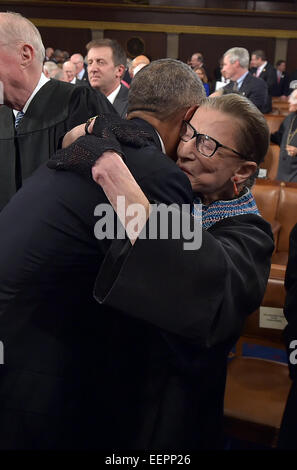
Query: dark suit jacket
[(182, 311), (282, 87), (85, 76), (268, 74), (255, 90), (55, 385), (121, 102)]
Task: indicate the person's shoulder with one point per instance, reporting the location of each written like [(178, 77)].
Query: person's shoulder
[(255, 223), (124, 91), (50, 191), (257, 81)]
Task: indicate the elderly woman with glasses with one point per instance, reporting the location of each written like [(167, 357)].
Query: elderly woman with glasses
[(190, 302)]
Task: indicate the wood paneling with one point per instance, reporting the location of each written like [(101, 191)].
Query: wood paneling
[(155, 44), (71, 40), (292, 55)]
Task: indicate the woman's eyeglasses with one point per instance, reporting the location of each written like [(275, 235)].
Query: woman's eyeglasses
[(205, 145)]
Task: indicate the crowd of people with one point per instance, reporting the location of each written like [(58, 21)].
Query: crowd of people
[(116, 336)]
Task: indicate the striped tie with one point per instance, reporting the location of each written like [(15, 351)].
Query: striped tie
[(235, 86), (18, 118)]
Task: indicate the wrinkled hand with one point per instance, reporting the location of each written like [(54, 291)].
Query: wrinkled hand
[(81, 156), (126, 132)]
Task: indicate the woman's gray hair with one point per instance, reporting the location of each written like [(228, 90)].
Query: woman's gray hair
[(239, 53), (252, 137), (293, 97), (164, 87), (16, 28)]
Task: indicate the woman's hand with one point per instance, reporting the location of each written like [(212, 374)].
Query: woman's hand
[(76, 132), (111, 173), (292, 151)]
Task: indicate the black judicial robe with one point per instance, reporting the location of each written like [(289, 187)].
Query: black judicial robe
[(180, 314), (54, 110), (55, 384)]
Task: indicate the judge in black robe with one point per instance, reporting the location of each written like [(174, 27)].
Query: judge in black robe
[(55, 109), (56, 391), (182, 311)]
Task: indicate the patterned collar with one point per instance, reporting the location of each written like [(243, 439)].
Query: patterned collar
[(219, 210)]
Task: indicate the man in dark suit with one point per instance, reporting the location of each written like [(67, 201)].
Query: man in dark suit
[(81, 69), (235, 67), (262, 69), (282, 86), (106, 67), (56, 384), (38, 111)]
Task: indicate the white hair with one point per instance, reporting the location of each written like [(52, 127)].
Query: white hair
[(16, 28), (293, 97), (239, 53)]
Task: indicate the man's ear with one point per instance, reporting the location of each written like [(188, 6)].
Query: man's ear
[(27, 55), (245, 170), (190, 112), (121, 70)]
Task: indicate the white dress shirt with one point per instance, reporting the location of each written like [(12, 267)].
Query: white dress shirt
[(42, 81)]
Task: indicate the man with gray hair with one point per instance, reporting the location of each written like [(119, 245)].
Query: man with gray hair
[(80, 69), (59, 384), (38, 111), (236, 68)]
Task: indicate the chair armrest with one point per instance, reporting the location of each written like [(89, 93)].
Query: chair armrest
[(278, 271)]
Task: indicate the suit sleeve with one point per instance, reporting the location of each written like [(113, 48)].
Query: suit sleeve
[(259, 96), (202, 294), (85, 103)]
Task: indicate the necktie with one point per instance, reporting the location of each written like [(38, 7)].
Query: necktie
[(18, 118), (235, 86)]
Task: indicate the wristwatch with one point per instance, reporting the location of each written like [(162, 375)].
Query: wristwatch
[(88, 123)]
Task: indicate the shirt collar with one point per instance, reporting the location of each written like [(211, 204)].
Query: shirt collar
[(42, 81), (80, 74), (112, 96), (161, 141), (259, 69), (240, 79)]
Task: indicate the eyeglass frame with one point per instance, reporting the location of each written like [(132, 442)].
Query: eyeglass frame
[(218, 144)]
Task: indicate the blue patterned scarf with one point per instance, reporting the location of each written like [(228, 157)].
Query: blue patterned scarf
[(219, 210)]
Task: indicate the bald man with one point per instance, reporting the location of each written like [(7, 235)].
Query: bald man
[(137, 64), (81, 70)]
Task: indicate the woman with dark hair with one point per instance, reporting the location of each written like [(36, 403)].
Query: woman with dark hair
[(203, 77)]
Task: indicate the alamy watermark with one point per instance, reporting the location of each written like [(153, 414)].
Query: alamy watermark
[(1, 353), (165, 222), (293, 354)]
